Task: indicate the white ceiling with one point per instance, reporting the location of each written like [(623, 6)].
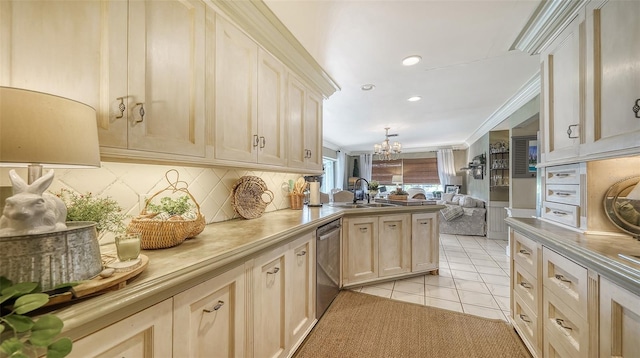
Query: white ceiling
[(467, 71)]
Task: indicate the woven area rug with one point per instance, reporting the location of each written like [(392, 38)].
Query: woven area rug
[(361, 325)]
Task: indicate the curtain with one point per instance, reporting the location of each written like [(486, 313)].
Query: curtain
[(365, 167), (340, 169), (446, 166)]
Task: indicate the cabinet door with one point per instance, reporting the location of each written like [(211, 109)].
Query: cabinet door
[(300, 288), (619, 321), (210, 317), (313, 131), (144, 334), (269, 327), (361, 244), (295, 123), (73, 49), (236, 131), (564, 87), (166, 53), (613, 40), (271, 119), (424, 242), (394, 245)]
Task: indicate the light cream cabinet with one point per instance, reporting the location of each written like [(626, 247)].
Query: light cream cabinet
[(249, 99), (377, 247), (612, 65), (425, 253), (563, 91), (283, 297), (210, 317), (619, 321), (144, 334), (304, 123)]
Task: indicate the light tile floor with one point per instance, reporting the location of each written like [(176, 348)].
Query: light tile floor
[(474, 279)]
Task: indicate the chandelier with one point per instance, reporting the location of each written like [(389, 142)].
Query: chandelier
[(387, 151)]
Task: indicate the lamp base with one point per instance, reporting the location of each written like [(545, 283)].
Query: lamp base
[(52, 258)]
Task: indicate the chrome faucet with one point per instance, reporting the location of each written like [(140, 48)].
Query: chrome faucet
[(355, 198)]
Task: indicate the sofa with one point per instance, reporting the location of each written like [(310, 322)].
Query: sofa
[(462, 215)]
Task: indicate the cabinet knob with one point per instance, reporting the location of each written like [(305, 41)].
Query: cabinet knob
[(274, 271), (636, 108), (121, 107), (215, 307)]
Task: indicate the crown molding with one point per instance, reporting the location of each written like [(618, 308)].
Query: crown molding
[(259, 22), (525, 94), (549, 19)]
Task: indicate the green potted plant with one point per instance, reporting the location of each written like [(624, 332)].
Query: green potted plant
[(22, 336), (105, 212), (373, 188)]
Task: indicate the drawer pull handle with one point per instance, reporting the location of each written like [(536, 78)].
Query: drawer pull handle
[(363, 229), (563, 194), (524, 318), (302, 253), (560, 323), (562, 278), (570, 131), (526, 285), (141, 112), (424, 223), (274, 271), (216, 307), (557, 212), (263, 142), (524, 252), (121, 107), (392, 225), (636, 108), (562, 175), (256, 140)]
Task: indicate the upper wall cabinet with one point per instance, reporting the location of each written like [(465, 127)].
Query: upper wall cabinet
[(139, 64), (591, 100), (563, 90), (613, 69), (304, 115), (249, 96)]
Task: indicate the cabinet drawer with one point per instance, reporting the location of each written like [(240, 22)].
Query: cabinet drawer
[(561, 213), (563, 193), (563, 174), (564, 329), (526, 286), (526, 323), (566, 279), (525, 253)]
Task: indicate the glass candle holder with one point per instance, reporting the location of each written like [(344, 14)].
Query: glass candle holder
[(128, 246)]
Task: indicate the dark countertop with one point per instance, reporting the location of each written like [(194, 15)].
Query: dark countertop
[(593, 251)]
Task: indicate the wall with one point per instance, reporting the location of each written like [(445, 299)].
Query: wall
[(524, 121), (124, 182), (478, 188)]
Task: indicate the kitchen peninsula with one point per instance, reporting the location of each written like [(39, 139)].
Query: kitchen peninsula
[(211, 293)]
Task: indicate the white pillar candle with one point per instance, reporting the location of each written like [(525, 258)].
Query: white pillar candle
[(314, 193)]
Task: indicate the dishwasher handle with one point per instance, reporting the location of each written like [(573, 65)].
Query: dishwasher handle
[(328, 234)]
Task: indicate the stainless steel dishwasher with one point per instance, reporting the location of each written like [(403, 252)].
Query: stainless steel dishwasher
[(327, 265)]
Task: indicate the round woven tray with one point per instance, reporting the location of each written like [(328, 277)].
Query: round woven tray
[(247, 197)]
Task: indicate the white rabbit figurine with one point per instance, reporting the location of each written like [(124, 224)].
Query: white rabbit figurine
[(30, 210)]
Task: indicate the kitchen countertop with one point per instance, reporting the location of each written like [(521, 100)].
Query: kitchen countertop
[(596, 252), (218, 248)]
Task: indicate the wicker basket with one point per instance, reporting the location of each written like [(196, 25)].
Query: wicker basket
[(247, 197), (296, 201), (160, 234)]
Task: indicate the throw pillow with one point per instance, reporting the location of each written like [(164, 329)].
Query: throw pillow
[(447, 197), (467, 202), (456, 199), (451, 212), (479, 203)]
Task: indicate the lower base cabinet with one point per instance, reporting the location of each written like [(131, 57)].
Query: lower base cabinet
[(283, 294), (147, 333), (208, 319), (619, 321)]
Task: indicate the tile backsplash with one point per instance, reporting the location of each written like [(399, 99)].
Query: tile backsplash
[(129, 183)]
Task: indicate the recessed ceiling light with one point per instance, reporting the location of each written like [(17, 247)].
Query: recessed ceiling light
[(367, 87), (411, 60), (414, 98)]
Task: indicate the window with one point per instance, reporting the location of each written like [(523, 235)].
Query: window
[(329, 178), (416, 173)]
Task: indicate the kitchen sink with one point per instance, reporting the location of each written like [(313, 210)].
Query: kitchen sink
[(362, 205)]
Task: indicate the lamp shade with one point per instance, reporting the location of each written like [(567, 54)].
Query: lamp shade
[(396, 179), (39, 128), (454, 180)]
